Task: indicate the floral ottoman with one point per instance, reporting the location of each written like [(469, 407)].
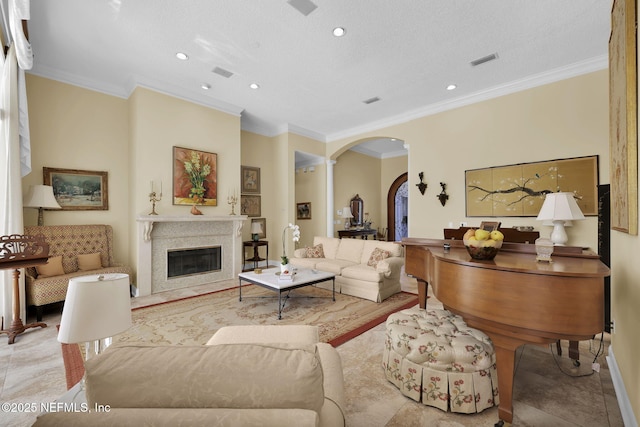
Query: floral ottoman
[(433, 357)]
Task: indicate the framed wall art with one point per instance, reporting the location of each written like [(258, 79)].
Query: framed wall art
[(250, 205), (78, 190), (304, 210), (489, 225), (263, 223), (250, 180), (194, 177), (623, 108), (519, 190)]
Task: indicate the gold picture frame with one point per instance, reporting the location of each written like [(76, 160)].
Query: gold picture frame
[(250, 179), (78, 190), (489, 225), (623, 109), (194, 177), (519, 190), (250, 205), (303, 210)]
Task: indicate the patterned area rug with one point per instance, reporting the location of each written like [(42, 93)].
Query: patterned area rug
[(194, 320)]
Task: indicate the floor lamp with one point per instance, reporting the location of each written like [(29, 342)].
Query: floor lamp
[(41, 197)]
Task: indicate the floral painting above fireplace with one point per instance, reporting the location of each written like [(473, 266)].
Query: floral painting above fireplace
[(194, 177)]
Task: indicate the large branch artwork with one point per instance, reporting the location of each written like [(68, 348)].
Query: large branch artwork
[(519, 190)]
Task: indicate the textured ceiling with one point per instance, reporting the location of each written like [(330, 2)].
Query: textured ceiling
[(404, 52)]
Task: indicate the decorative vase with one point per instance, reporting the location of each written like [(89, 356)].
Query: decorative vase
[(283, 268), (195, 210)]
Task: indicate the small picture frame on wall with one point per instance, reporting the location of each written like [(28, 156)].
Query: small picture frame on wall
[(250, 205), (489, 225), (304, 210), (263, 223), (78, 190), (250, 180)]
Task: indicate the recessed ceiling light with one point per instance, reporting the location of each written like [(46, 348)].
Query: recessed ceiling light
[(452, 87), (254, 86), (339, 31), (182, 56), (205, 86)]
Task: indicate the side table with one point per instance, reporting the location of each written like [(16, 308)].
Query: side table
[(256, 256)]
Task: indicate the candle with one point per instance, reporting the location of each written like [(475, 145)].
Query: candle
[(160, 188), (152, 186)]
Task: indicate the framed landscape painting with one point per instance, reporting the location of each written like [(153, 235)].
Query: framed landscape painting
[(78, 190), (194, 177)]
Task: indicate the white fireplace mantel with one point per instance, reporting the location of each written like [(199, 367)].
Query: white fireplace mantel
[(185, 231), (149, 220)]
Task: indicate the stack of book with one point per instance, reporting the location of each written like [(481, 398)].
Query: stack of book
[(288, 277)]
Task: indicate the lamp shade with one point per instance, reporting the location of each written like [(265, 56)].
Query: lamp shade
[(346, 212), (41, 196), (256, 228), (560, 206), (96, 307)]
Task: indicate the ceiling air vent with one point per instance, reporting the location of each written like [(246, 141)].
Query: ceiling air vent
[(484, 59), (222, 72), (371, 100), (305, 7)]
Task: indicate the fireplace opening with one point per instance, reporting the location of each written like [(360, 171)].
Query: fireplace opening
[(187, 262)]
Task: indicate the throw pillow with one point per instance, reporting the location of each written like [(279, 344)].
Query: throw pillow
[(315, 252), (376, 256), (52, 268), (89, 262)]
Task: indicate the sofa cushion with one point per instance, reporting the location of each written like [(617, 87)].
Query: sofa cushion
[(53, 267), (362, 272), (219, 376), (315, 251), (395, 249), (350, 250), (329, 245), (89, 261), (376, 256), (334, 266)]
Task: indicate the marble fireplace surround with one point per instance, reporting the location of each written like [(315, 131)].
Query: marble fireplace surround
[(157, 234)]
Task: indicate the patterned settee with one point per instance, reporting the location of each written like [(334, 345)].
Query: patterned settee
[(69, 241)]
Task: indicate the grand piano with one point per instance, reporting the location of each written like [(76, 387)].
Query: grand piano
[(513, 299)]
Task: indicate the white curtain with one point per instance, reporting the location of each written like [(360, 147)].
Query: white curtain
[(15, 161)]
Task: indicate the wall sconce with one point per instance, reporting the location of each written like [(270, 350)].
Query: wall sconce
[(443, 196), (421, 185)]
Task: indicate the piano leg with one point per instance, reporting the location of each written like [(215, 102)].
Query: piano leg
[(505, 362), (422, 293)]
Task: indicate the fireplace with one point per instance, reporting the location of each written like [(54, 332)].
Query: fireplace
[(187, 262), (178, 252)]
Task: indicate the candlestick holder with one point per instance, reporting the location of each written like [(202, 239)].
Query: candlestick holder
[(153, 199), (232, 200)]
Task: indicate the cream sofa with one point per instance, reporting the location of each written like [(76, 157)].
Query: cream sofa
[(349, 260), (241, 378), (70, 242)]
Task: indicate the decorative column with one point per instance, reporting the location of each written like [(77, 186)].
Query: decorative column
[(330, 206)]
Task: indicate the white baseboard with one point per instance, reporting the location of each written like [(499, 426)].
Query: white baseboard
[(624, 403)]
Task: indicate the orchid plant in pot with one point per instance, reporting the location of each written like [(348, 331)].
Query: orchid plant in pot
[(284, 265)]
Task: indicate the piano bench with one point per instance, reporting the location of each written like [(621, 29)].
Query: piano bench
[(433, 357)]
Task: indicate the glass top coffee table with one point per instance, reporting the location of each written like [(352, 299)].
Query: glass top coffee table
[(270, 279)]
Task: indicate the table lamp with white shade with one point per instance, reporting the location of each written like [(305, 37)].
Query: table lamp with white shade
[(346, 214), (96, 308), (41, 197), (559, 208), (256, 230)]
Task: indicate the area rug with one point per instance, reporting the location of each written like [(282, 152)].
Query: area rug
[(193, 320)]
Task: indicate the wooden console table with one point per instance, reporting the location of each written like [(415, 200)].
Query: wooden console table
[(256, 256), (17, 252), (362, 233)]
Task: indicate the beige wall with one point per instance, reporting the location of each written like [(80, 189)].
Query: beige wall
[(310, 187), (74, 128)]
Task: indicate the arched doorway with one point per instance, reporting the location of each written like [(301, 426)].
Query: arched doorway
[(392, 219)]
